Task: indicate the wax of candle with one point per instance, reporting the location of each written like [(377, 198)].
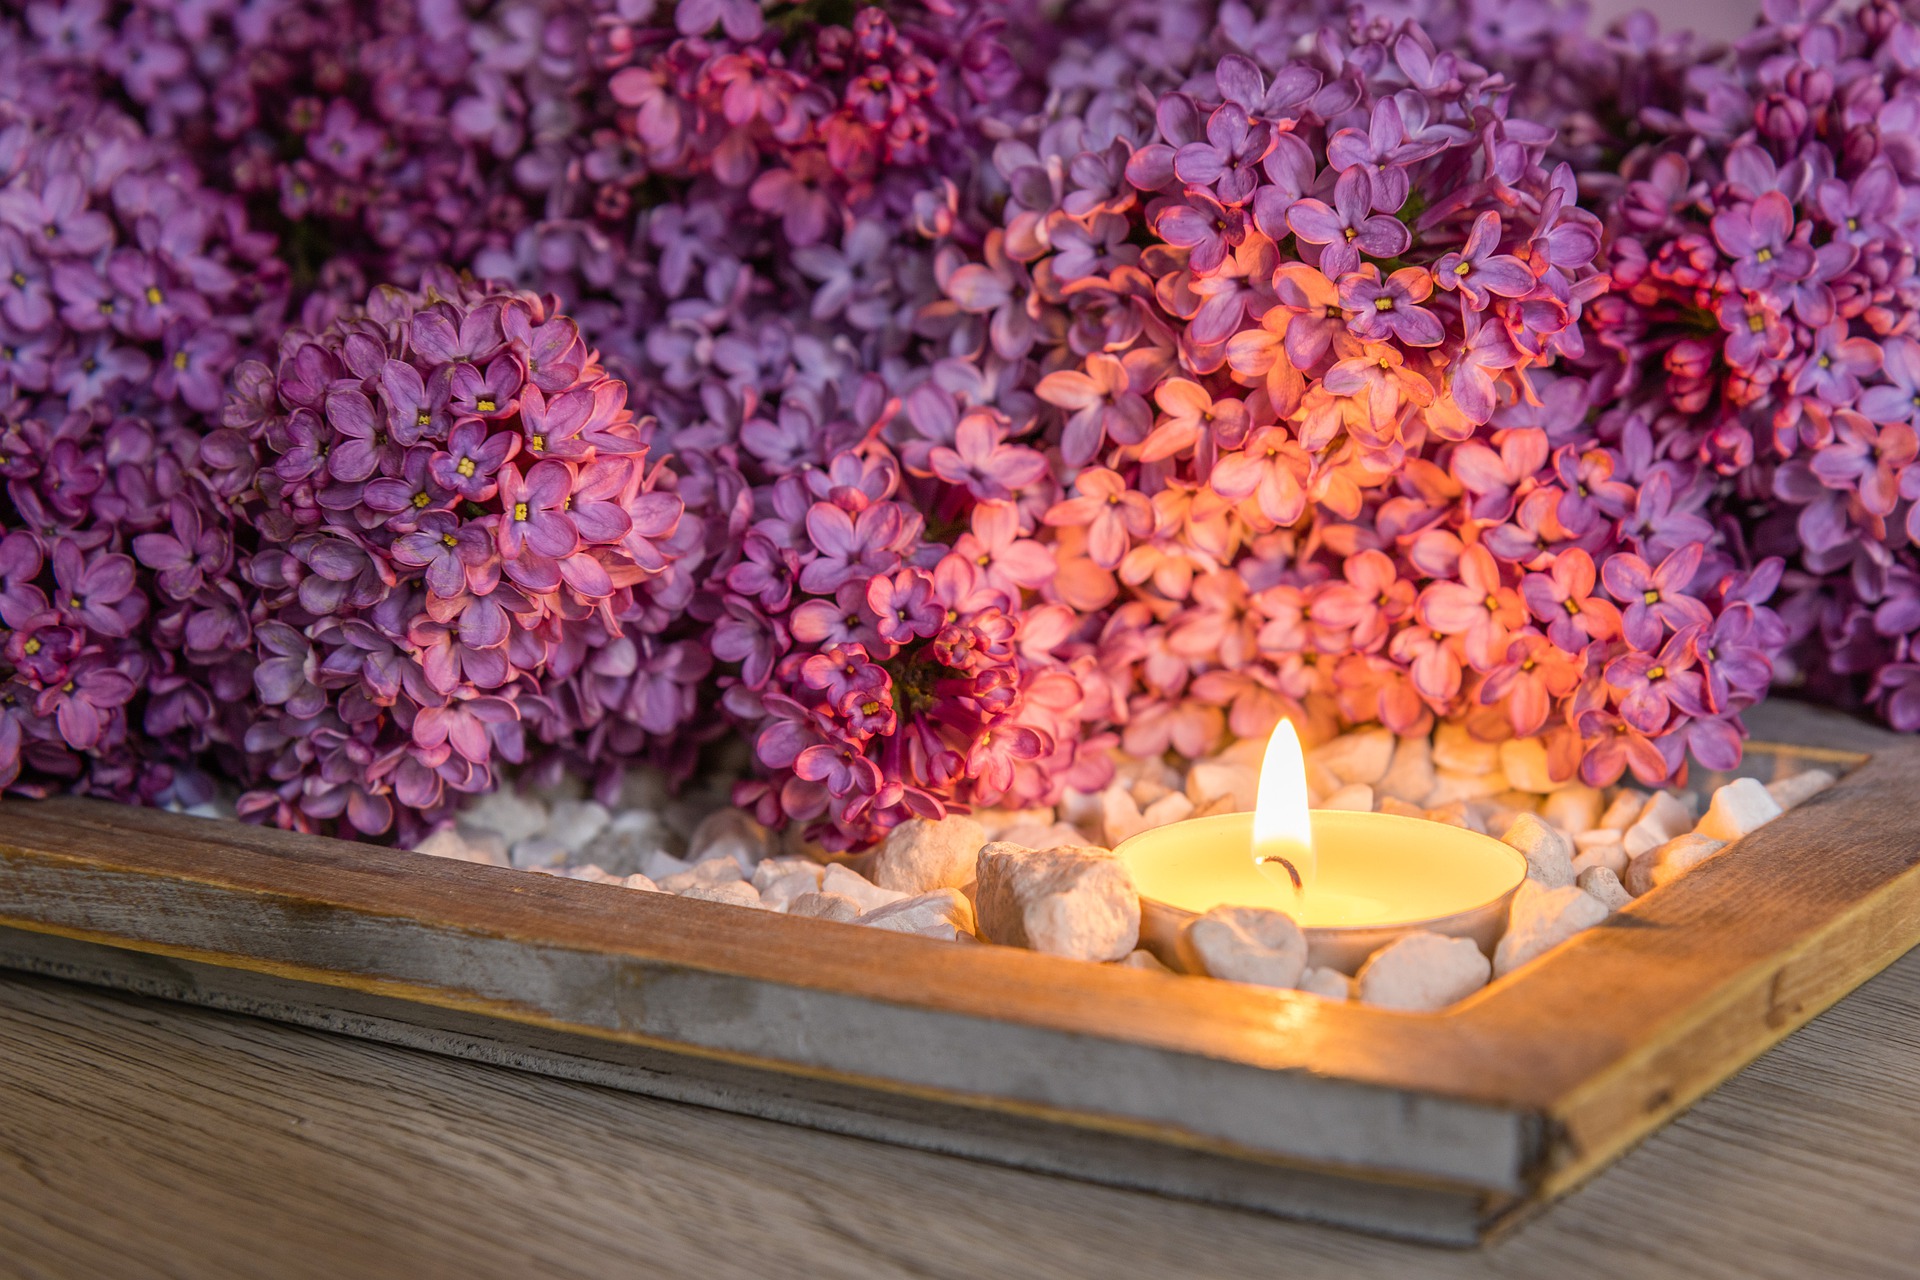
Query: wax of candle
[(1373, 869)]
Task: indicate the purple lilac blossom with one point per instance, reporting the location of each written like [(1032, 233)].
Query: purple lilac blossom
[(130, 292), (443, 578)]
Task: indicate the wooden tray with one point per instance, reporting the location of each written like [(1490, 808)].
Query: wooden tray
[(1442, 1127)]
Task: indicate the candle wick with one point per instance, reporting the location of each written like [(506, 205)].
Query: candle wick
[(1298, 885)]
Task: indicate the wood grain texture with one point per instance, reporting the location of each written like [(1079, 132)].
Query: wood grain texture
[(1502, 1101), (141, 1139)]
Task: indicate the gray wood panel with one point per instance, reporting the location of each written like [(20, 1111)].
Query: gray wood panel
[(139, 1138)]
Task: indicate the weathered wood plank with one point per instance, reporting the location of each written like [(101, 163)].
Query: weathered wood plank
[(1506, 1099), (141, 1140)]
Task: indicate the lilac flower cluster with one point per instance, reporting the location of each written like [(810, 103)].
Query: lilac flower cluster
[(458, 535), (1011, 385), (380, 139), (1763, 236), (1283, 333), (127, 294)]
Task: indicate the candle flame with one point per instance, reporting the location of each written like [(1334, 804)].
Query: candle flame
[(1282, 827)]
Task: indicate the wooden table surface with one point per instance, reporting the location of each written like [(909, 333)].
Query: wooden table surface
[(142, 1139)]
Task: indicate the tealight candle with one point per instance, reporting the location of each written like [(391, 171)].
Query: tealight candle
[(1352, 881)]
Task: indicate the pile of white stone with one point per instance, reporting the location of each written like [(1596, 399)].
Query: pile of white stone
[(1045, 879)]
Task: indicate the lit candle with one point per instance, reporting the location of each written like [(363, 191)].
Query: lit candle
[(1353, 881)]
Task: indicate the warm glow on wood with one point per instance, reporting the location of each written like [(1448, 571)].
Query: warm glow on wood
[(1282, 828)]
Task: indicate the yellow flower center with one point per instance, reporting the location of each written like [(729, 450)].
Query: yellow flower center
[(1755, 324), (1651, 597), (423, 419), (420, 500), (484, 406), (154, 295), (1465, 268), (1383, 304), (465, 466), (1765, 255), (539, 443), (1657, 673), (32, 647), (519, 511), (179, 359)]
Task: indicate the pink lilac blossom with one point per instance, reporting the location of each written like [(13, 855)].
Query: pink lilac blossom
[(1318, 412)]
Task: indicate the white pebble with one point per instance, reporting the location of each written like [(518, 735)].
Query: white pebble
[(514, 816), (1362, 756), (1421, 972), (775, 869), (1740, 807), (994, 821), (1168, 809), (1079, 903), (463, 843), (825, 906), (1605, 888), (1056, 835), (1457, 814), (736, 893), (1574, 807), (1524, 762), (922, 854), (779, 891), (1625, 808), (1541, 918), (1147, 790), (1453, 787), (711, 871), (939, 913), (1662, 818), (662, 866), (729, 833), (1120, 817), (1245, 944), (1549, 854), (642, 883), (1680, 855), (538, 853), (1144, 960), (1797, 788), (1209, 780), (1401, 809), (1410, 777), (627, 841), (842, 879), (1082, 808), (1609, 853), (574, 823), (1321, 781), (1459, 751), (1331, 983), (1356, 798)]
